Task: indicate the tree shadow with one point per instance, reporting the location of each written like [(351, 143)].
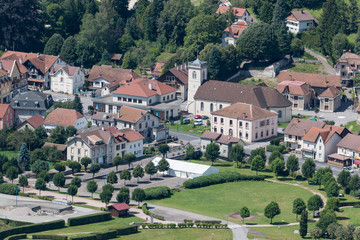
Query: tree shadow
[(144, 182), (342, 218), (131, 185), (280, 223)]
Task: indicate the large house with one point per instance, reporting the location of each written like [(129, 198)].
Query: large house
[(348, 150), (245, 121), (241, 14), (7, 116), (145, 94), (28, 104), (17, 73), (231, 34), (298, 93), (177, 77), (104, 79), (39, 66), (325, 89), (225, 142), (66, 79), (65, 118), (5, 86), (103, 144), (300, 21), (347, 67)]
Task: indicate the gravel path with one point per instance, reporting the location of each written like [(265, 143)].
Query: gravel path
[(328, 67)]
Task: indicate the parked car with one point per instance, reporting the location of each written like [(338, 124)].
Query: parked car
[(205, 117), (186, 121), (198, 122), (349, 169), (197, 117)]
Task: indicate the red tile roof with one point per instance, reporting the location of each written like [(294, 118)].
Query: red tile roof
[(299, 127), (244, 111), (35, 121), (130, 114), (330, 92), (124, 134), (350, 141), (3, 109), (181, 72), (239, 12), (120, 206), (235, 30), (314, 132), (314, 80), (60, 147), (158, 66), (118, 75), (301, 15), (294, 87), (63, 117), (70, 70)]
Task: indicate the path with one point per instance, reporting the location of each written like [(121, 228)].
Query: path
[(327, 66)]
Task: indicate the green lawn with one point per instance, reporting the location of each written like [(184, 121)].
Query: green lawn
[(283, 125), (352, 126), (10, 154), (164, 56), (225, 199), (271, 82), (307, 56), (198, 130), (349, 215), (306, 68)]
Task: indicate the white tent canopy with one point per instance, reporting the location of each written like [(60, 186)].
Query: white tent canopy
[(185, 169)]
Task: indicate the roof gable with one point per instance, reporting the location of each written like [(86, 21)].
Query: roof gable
[(63, 117), (314, 80)]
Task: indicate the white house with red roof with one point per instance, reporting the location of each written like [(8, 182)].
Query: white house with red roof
[(31, 123), (300, 21), (65, 118), (241, 14), (66, 79), (232, 33)]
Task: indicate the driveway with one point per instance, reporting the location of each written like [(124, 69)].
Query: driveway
[(327, 66)]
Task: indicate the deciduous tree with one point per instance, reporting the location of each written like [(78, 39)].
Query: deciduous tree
[(308, 168), (23, 182), (125, 175), (150, 169), (244, 213), (272, 210), (40, 185), (212, 151), (163, 165), (94, 168), (257, 164), (111, 178), (54, 44), (59, 180), (85, 161), (138, 195), (91, 187), (138, 172), (72, 191), (298, 206)]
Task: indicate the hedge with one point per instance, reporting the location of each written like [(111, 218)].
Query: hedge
[(84, 237), (126, 231), (92, 218), (157, 192), (16, 237), (46, 236), (33, 228), (272, 148), (14, 223), (106, 235), (8, 188), (346, 204), (147, 212), (221, 177)]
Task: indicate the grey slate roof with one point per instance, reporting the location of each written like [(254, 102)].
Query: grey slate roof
[(32, 101)]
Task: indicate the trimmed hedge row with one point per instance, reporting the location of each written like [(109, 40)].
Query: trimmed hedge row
[(16, 237), (272, 148), (157, 192), (8, 188), (33, 228), (92, 218), (345, 204), (221, 177), (147, 212), (14, 223), (126, 231), (104, 235), (84, 237), (47, 236)]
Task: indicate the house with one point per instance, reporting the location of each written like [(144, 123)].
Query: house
[(177, 77), (241, 14), (298, 93), (17, 73), (232, 33), (116, 58), (214, 95), (245, 121), (104, 79), (28, 104), (347, 152), (157, 68), (184, 169), (39, 66), (144, 94), (102, 118), (31, 123), (103, 144), (5, 86), (330, 99), (347, 67), (65, 118), (66, 79), (60, 147), (225, 142), (7, 116), (119, 209), (300, 21)]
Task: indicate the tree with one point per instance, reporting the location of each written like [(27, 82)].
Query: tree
[(12, 173), (266, 11), (353, 16), (91, 187), (257, 164), (271, 210), (332, 189), (163, 165), (281, 11), (308, 168), (274, 155), (59, 180), (331, 229), (108, 187), (333, 203), (237, 154), (39, 166), (117, 161), (190, 151), (297, 47), (150, 169), (150, 17), (94, 168), (105, 197), (111, 178), (163, 149), (298, 206), (315, 203), (77, 104), (68, 50), (283, 39), (338, 45), (85, 161), (44, 175), (53, 45), (138, 172), (125, 175), (123, 195), (58, 135), (317, 233), (212, 151), (257, 152), (60, 167), (326, 218), (303, 223), (244, 213), (126, 42), (72, 191), (345, 232), (213, 63), (357, 234), (23, 182), (138, 195), (257, 42), (357, 43), (292, 164), (129, 158), (74, 166), (40, 184), (277, 166), (344, 178), (76, 181), (24, 158)]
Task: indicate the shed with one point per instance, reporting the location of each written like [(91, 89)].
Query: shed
[(185, 169), (119, 209)]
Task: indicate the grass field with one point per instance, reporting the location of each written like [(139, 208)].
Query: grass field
[(198, 130), (349, 215), (10, 154), (306, 68), (226, 199), (307, 56), (352, 126)]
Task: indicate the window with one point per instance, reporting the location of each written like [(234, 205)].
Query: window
[(240, 134), (79, 151), (123, 146), (273, 120), (231, 122), (256, 124), (221, 120), (167, 98), (272, 131), (153, 123), (194, 75), (240, 123), (61, 79), (221, 106), (221, 130), (215, 129), (267, 132), (326, 100), (261, 134), (130, 100), (118, 147), (268, 122), (149, 101), (256, 135), (140, 101), (140, 126), (72, 150), (135, 100), (163, 99), (247, 125), (130, 146), (211, 107), (202, 106), (124, 99), (279, 113), (146, 125), (215, 119), (110, 149), (230, 132)]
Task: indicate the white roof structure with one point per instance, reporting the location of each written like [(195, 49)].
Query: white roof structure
[(185, 169)]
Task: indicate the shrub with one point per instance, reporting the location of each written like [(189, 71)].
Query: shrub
[(16, 237), (276, 141), (92, 218), (44, 236), (147, 212), (271, 148), (7, 188), (126, 230), (105, 235), (84, 237), (221, 177), (157, 192)]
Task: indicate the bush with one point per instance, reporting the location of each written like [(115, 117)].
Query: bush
[(272, 148), (105, 235), (16, 237), (84, 237), (221, 177), (157, 192), (126, 231), (33, 228), (92, 218), (14, 223), (44, 236), (276, 141), (147, 212), (7, 188)]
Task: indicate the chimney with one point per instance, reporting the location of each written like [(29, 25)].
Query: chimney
[(349, 50), (304, 131), (38, 55), (20, 61), (302, 11), (290, 76), (150, 86)]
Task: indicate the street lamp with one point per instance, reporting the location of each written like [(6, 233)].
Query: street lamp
[(16, 190), (104, 178), (66, 194)]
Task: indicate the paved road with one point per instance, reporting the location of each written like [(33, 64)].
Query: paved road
[(186, 137), (328, 67)]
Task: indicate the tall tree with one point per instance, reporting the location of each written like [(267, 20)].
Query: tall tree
[(283, 39), (292, 164), (214, 65), (123, 195), (129, 158), (257, 152), (24, 158), (40, 185), (303, 223), (163, 166), (91, 187), (12, 173), (106, 196), (73, 13), (68, 50), (308, 168), (85, 161), (125, 175), (39, 166), (338, 45), (58, 135), (344, 178), (298, 206), (150, 169), (94, 168), (111, 178), (60, 167), (281, 10), (237, 154), (117, 161), (272, 210), (353, 16), (78, 104), (163, 149), (150, 17), (315, 203), (23, 182), (138, 195), (54, 44), (212, 151), (72, 191), (277, 166), (59, 180), (257, 164), (138, 172), (244, 213)]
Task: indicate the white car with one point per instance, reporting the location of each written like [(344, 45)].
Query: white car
[(198, 122), (349, 169)]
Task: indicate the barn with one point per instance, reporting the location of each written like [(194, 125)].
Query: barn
[(185, 169)]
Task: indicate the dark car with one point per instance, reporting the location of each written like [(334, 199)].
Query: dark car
[(205, 117), (186, 121)]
